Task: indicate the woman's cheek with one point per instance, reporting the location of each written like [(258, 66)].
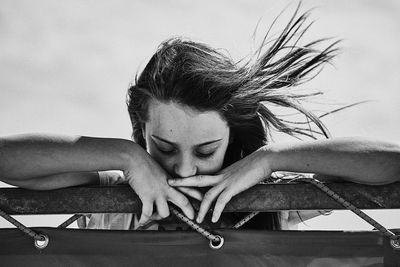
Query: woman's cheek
[(211, 166), (165, 161)]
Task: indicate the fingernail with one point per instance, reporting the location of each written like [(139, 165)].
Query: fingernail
[(170, 181), (198, 220), (214, 219)]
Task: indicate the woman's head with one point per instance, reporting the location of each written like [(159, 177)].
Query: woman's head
[(193, 78), (185, 141)]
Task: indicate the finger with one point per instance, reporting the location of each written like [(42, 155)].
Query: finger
[(196, 194), (207, 201), (155, 217), (196, 181), (220, 204), (147, 211), (182, 202), (162, 208), (146, 226)]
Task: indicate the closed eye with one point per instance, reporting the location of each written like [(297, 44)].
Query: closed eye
[(167, 151), (204, 155)]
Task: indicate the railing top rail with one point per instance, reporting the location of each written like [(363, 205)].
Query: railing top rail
[(271, 197)]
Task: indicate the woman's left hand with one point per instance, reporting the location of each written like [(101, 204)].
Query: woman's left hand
[(228, 182)]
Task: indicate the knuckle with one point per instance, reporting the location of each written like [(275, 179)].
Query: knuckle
[(176, 182), (208, 195), (146, 214), (199, 178), (170, 190), (224, 197), (211, 194), (220, 177), (184, 201)]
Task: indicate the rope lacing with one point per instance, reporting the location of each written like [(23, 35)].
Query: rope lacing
[(216, 239), (183, 218), (337, 198), (70, 220), (22, 227), (245, 219), (350, 206), (213, 238)]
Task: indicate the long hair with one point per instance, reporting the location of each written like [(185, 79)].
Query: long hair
[(205, 79), (243, 93)]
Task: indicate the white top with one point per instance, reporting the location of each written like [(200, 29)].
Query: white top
[(111, 221)]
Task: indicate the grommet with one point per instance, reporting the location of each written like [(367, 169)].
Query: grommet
[(395, 243), (325, 212), (41, 244), (217, 244)]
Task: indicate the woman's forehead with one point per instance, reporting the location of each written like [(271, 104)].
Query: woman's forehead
[(176, 122)]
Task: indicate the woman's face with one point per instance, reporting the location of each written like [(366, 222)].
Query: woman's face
[(184, 141)]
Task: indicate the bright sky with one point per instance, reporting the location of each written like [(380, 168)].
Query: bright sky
[(65, 65)]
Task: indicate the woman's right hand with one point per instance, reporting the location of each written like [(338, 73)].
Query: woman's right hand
[(149, 180)]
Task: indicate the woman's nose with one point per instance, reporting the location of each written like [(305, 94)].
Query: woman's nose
[(185, 167)]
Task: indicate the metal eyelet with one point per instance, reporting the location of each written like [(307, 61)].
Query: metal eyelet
[(395, 243), (217, 244), (42, 244)]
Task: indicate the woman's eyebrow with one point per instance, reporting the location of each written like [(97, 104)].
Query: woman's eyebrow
[(172, 143)]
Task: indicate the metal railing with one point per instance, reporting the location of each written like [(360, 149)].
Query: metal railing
[(271, 197)]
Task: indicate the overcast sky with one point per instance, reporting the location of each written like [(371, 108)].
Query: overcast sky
[(65, 65)]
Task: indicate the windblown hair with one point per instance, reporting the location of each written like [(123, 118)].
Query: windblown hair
[(205, 79)]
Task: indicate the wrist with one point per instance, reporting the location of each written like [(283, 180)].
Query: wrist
[(271, 157), (132, 155)]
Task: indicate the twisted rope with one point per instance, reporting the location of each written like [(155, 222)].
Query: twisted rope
[(350, 206), (195, 226), (245, 219), (69, 221), (22, 227)]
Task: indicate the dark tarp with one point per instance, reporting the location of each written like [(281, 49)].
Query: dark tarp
[(72, 247)]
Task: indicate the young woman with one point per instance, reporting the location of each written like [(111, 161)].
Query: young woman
[(202, 120)]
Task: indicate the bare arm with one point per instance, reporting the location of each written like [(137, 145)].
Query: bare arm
[(48, 162), (44, 162), (56, 181), (353, 159)]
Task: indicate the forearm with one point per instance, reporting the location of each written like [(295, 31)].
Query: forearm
[(57, 181), (361, 161), (26, 156)]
